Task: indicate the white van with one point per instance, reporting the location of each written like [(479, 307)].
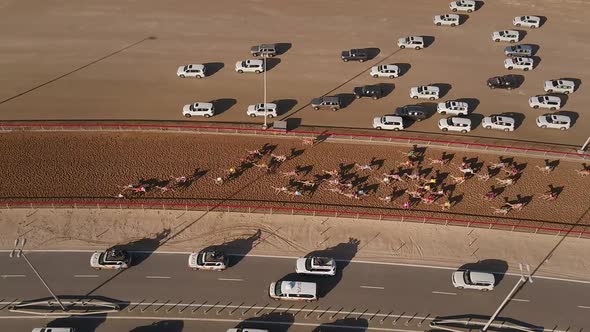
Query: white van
[(293, 291), (54, 329)]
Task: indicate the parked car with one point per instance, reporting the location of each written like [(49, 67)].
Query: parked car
[(447, 20), (373, 91), (425, 92), (293, 291), (390, 71), (259, 110), (325, 266), (554, 121), (415, 42), (527, 21), (388, 122), (503, 82), (551, 102), (518, 50), (250, 66), (246, 329), (327, 102), (511, 36), (114, 259), (523, 63), (208, 259), (198, 109), (466, 279), (498, 122), (268, 50), (453, 107), (195, 70), (559, 86), (454, 123), (357, 54), (412, 112), (463, 5)]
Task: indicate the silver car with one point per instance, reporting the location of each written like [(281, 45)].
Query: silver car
[(511, 36), (527, 21), (463, 5), (559, 86), (415, 42), (465, 279), (447, 20), (551, 102), (453, 107), (498, 122), (518, 50), (523, 63), (554, 121), (425, 92)]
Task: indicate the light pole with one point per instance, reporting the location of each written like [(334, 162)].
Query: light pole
[(584, 146), (264, 126), (521, 280), (19, 252)]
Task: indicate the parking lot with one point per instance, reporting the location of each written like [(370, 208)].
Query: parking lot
[(118, 60)]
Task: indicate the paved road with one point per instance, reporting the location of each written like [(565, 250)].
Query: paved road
[(361, 286)]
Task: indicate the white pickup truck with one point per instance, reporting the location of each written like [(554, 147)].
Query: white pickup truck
[(316, 266)]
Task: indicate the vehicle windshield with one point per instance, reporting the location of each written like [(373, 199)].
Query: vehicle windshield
[(243, 63), (192, 107), (185, 68), (450, 122), (308, 264), (421, 89), (555, 83), (467, 278), (278, 289)]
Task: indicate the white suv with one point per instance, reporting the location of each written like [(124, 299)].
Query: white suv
[(453, 107), (551, 102), (415, 42), (198, 71), (554, 121), (454, 123), (483, 281), (523, 63), (463, 5), (447, 20), (316, 266), (559, 86), (527, 21), (498, 122), (258, 110), (425, 92), (388, 122), (511, 36), (250, 66), (390, 71), (198, 109)]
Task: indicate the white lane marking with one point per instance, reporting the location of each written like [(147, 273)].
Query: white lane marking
[(229, 279), (520, 300), (295, 257), (85, 275), (157, 277), (372, 287), (443, 293), (583, 307), (13, 276)]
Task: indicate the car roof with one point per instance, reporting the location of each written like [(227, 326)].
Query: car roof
[(393, 118), (196, 66), (267, 45), (388, 66), (468, 2), (481, 277), (431, 87), (204, 105), (558, 117), (288, 286), (255, 61), (504, 118), (457, 119), (330, 98)]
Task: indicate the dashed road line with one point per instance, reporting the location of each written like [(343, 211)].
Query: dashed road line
[(583, 307), (443, 293), (12, 276), (229, 279), (520, 300), (372, 287), (157, 277), (85, 275)]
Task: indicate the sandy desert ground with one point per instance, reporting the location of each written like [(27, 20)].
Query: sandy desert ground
[(117, 59), (95, 166)]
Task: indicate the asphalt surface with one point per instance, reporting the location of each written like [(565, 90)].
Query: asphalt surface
[(420, 291)]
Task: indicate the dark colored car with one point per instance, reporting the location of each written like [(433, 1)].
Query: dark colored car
[(373, 91), (503, 82), (412, 112), (355, 55)]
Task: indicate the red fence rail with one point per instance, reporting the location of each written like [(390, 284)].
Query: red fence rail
[(579, 231), (352, 136)]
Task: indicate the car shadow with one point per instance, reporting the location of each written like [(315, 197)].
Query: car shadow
[(496, 266), (372, 52), (472, 102), (283, 48), (444, 89), (236, 249), (518, 118), (273, 321), (429, 108), (386, 89), (344, 324), (519, 79), (428, 40), (577, 82), (543, 20), (403, 68), (562, 96), (346, 99), (213, 67), (83, 324), (521, 34), (284, 105), (161, 326), (223, 104), (272, 63), (293, 123), (572, 115), (475, 119), (479, 4), (535, 48), (536, 61), (146, 246), (463, 18)]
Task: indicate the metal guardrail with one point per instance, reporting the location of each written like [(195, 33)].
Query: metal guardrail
[(294, 133), (580, 231)]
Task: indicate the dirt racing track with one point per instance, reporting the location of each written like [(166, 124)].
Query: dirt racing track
[(96, 167)]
